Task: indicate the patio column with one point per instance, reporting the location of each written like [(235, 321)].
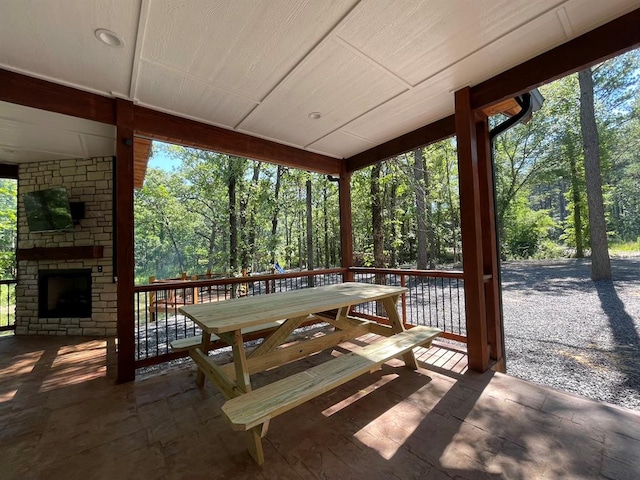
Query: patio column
[(346, 225), (490, 259), (123, 236), (472, 233)]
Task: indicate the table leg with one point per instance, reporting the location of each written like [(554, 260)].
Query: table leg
[(243, 379), (397, 326), (204, 348), (254, 444)]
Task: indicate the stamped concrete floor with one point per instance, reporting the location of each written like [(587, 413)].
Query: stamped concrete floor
[(62, 417)]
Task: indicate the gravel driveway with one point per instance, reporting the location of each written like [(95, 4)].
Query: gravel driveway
[(564, 330)]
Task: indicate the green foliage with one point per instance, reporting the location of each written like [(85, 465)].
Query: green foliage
[(525, 229), (622, 248), (182, 217), (544, 161), (8, 227)]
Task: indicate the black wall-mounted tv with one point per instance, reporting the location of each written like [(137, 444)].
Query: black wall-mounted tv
[(48, 210)]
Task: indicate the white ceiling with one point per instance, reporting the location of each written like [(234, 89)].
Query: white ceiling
[(374, 69), (31, 135)]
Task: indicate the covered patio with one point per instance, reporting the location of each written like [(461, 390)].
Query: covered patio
[(62, 417), (75, 407)]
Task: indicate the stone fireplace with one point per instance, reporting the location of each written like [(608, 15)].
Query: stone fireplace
[(65, 278), (64, 293)]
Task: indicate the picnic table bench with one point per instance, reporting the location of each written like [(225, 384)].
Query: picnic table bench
[(251, 410)]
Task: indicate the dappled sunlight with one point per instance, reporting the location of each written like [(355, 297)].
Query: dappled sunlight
[(398, 424), (360, 394), (13, 370), (445, 357), (75, 364), (30, 366), (65, 377), (20, 364), (7, 395)]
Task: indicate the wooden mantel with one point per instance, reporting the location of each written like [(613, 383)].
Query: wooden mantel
[(60, 253)]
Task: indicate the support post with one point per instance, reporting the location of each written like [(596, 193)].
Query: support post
[(123, 221), (346, 226), (470, 213), (490, 260)]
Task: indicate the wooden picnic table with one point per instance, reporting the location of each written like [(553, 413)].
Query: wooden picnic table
[(247, 409)]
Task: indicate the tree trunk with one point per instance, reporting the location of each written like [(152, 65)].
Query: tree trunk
[(249, 223), (276, 211), (393, 200), (233, 222), (455, 222), (301, 230), (421, 215), (600, 262), (430, 224), (233, 219), (211, 248), (376, 218), (309, 233), (577, 204), (378, 233), (174, 242), (326, 225)]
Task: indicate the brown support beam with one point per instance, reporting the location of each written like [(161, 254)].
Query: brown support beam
[(470, 213), (611, 39), (346, 224), (123, 222), (36, 93), (489, 242), (162, 126), (423, 136)]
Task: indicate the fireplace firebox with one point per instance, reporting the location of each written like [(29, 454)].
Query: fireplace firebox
[(64, 293)]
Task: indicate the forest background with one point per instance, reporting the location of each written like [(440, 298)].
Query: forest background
[(221, 213)]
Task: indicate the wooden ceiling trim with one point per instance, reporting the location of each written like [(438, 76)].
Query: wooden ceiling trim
[(162, 126), (614, 38), (507, 107), (37, 93), (423, 136), (141, 151)]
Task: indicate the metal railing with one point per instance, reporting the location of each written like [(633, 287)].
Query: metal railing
[(8, 304), (435, 298), (157, 321)]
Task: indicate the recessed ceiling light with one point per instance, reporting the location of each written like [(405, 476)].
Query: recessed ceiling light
[(315, 115), (109, 38)]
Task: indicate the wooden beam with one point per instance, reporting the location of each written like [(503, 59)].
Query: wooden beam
[(36, 93), (432, 133), (141, 151), (123, 222), (8, 171), (470, 213), (613, 38), (489, 241), (162, 126)]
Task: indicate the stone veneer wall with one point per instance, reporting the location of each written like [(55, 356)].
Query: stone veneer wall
[(89, 181)]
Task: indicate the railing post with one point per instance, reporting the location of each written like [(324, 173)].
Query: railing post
[(403, 283), (194, 278)]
